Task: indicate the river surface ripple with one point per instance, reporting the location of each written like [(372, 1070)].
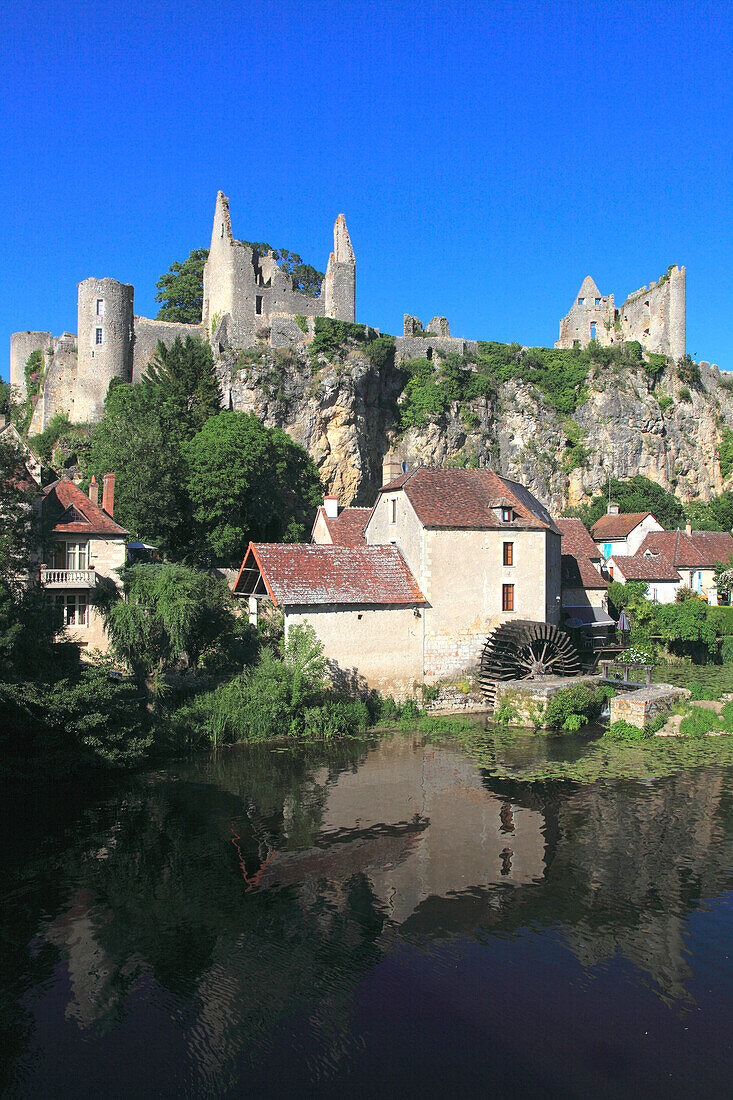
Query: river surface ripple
[(393, 917)]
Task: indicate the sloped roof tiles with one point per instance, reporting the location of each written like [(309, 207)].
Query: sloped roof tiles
[(453, 498), (576, 539), (578, 571), (71, 512), (348, 527), (617, 526), (644, 568), (308, 574)]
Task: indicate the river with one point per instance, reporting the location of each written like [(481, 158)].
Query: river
[(400, 916)]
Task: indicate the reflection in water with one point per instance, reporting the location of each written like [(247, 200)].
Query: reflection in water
[(277, 920)]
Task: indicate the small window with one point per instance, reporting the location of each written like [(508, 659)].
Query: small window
[(98, 337), (506, 515), (508, 553), (258, 304), (393, 511), (598, 301), (507, 597), (100, 306), (581, 301), (592, 330)]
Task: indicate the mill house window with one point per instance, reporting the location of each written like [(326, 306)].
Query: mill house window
[(508, 554), (507, 597)]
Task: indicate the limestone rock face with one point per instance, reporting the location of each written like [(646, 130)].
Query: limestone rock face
[(346, 414)]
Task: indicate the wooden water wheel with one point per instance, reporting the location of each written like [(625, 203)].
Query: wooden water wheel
[(525, 650)]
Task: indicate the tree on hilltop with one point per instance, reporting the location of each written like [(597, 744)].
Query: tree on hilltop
[(181, 289), (637, 494)]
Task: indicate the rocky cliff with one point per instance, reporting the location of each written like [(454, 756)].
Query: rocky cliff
[(347, 413)]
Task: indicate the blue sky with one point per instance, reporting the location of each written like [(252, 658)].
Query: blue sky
[(487, 156)]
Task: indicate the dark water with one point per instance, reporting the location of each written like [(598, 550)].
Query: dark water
[(389, 918)]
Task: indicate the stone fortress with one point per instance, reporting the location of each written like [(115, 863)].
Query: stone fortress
[(654, 315), (249, 300)]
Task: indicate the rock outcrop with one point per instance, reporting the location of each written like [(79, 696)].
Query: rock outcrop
[(346, 414)]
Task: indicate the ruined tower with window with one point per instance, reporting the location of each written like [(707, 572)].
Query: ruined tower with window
[(654, 315), (248, 299)]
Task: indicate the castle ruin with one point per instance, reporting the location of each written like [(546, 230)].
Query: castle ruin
[(247, 297), (654, 315)]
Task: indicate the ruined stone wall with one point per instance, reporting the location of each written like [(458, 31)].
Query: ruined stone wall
[(655, 315), (57, 395), (22, 345), (591, 316), (147, 333), (105, 340), (425, 347)]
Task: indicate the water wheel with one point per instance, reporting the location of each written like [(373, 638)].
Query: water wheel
[(524, 650)]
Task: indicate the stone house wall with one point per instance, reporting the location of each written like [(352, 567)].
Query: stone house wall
[(368, 647)]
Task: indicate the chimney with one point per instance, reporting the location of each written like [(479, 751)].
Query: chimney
[(612, 509), (94, 490), (688, 528), (108, 493), (391, 467), (331, 506)]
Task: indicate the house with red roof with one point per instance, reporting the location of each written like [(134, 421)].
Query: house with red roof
[(82, 543), (694, 554), (622, 533), (336, 526), (447, 555), (661, 577)]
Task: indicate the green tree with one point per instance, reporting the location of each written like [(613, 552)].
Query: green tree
[(141, 437), (636, 494), (246, 482), (181, 289), (170, 615)]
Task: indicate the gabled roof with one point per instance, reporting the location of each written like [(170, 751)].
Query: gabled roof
[(576, 539), (641, 568), (306, 573), (713, 546), (676, 546), (618, 526), (68, 511), (348, 528), (578, 571), (465, 499)]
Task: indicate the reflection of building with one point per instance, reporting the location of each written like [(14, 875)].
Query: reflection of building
[(473, 840)]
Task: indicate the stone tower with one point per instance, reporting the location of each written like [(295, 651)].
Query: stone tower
[(591, 317), (339, 286), (105, 344)]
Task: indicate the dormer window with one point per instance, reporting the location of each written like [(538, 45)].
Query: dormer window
[(506, 515)]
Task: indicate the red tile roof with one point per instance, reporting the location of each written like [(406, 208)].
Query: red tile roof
[(713, 546), (348, 528), (448, 498), (676, 546), (617, 527), (306, 573), (576, 539), (578, 571), (640, 568), (63, 502)]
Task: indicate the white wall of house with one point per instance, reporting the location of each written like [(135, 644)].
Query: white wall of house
[(106, 556), (374, 647), (628, 546)]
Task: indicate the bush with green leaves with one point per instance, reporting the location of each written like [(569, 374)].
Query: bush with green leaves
[(726, 716), (689, 372), (699, 723), (624, 731), (635, 494), (684, 395), (725, 452), (573, 707)]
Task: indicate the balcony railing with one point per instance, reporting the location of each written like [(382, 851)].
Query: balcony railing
[(68, 578)]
